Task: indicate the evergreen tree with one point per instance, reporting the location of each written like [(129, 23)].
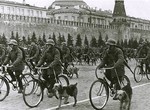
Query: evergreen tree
[(69, 40), (135, 44), (79, 41), (59, 40), (131, 43), (40, 41), (54, 37), (12, 35), (86, 42), (44, 38), (100, 41), (33, 38), (106, 38), (125, 43), (63, 38), (118, 43), (24, 40), (1, 39), (121, 43), (17, 37), (93, 42), (49, 37), (29, 40), (4, 40)]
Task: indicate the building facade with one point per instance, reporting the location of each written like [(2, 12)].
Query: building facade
[(70, 16)]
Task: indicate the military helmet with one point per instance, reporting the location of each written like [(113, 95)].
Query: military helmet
[(50, 42), (13, 42), (63, 43), (111, 42)]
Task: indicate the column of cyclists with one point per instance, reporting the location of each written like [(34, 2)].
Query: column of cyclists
[(14, 58)]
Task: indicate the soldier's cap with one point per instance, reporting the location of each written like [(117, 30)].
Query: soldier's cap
[(13, 42), (111, 42), (63, 43), (50, 42)]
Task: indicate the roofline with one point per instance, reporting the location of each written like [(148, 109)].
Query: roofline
[(11, 3)]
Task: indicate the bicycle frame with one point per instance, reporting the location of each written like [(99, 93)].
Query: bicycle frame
[(40, 74), (4, 74), (101, 89), (102, 71), (139, 62), (15, 85)]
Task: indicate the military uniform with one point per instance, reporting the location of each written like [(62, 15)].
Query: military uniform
[(34, 54), (50, 58), (2, 55), (66, 54), (116, 60), (144, 52), (15, 56), (113, 58)]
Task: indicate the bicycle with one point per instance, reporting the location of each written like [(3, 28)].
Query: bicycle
[(5, 80), (100, 88), (140, 70), (33, 93)]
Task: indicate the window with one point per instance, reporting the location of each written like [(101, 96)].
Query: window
[(8, 9), (66, 18), (29, 12), (98, 20), (2, 9), (19, 11), (23, 12), (37, 12), (81, 20), (73, 18), (41, 13), (59, 17), (32, 13)]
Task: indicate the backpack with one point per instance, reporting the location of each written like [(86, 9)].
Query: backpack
[(40, 51), (23, 52), (61, 56), (124, 54)]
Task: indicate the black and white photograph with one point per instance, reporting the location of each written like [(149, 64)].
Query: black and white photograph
[(74, 55)]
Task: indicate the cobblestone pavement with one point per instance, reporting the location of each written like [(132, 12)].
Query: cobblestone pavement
[(140, 100)]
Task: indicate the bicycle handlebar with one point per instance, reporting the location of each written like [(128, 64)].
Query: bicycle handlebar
[(104, 68), (41, 68), (140, 58)]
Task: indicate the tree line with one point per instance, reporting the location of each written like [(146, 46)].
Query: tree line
[(80, 41)]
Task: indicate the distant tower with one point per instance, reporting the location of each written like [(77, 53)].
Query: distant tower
[(119, 9), (119, 20), (119, 13), (24, 2)]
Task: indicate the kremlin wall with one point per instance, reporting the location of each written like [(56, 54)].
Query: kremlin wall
[(71, 18)]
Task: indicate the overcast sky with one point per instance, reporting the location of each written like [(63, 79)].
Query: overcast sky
[(135, 8)]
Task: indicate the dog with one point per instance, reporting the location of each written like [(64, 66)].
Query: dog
[(73, 70), (124, 96), (66, 91)]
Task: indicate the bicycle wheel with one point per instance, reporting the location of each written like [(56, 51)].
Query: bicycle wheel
[(148, 75), (33, 93), (99, 94), (4, 88), (63, 79), (138, 74)]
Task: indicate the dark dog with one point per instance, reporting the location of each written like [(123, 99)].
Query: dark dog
[(65, 92), (125, 95), (73, 70)]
